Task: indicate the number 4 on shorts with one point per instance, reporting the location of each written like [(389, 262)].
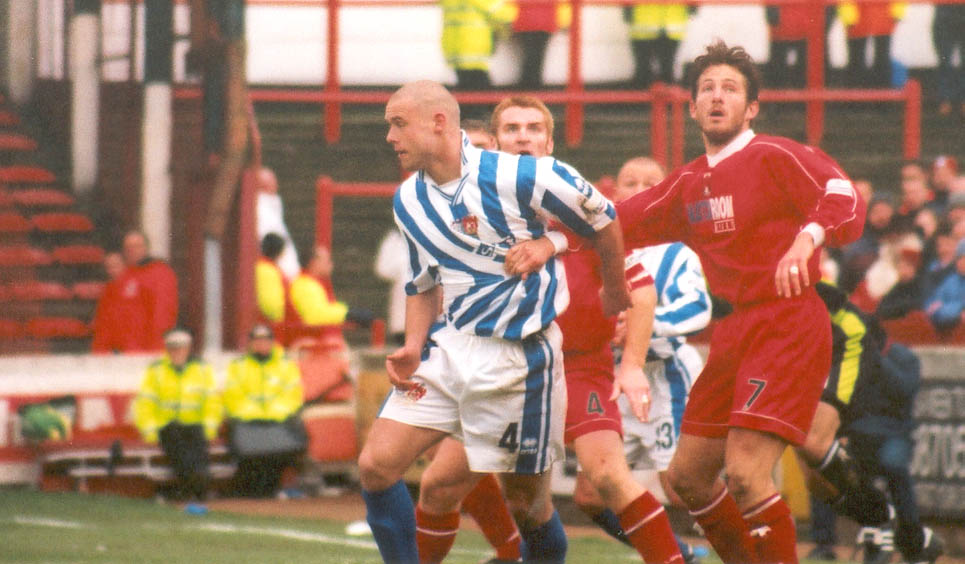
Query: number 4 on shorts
[(509, 441)]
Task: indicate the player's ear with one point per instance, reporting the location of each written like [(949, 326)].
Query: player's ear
[(752, 109), (439, 122)]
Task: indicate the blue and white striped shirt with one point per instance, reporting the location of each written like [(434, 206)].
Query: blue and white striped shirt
[(683, 302), (458, 235)]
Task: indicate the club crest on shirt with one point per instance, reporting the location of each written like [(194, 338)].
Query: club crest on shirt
[(469, 224), (719, 210)]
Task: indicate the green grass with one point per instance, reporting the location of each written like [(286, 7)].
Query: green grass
[(76, 528)]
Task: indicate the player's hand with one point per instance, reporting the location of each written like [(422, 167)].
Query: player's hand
[(615, 300), (791, 275), (401, 365), (528, 256), (632, 381)]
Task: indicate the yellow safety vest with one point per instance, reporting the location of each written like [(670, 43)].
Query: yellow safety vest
[(467, 30), (647, 21), (269, 390), (187, 396)]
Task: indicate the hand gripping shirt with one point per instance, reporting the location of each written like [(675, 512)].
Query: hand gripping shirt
[(741, 209), (458, 234)]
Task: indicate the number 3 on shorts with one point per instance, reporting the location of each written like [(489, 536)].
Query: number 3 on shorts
[(509, 441)]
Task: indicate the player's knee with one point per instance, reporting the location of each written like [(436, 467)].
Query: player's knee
[(586, 498), (741, 483), (685, 485), (607, 479), (438, 495), (374, 473)]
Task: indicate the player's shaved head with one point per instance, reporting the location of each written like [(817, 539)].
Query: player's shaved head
[(431, 98)]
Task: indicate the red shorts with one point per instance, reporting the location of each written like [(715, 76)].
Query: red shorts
[(766, 370), (589, 383)]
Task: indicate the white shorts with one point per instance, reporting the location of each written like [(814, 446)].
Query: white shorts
[(651, 445), (505, 400)]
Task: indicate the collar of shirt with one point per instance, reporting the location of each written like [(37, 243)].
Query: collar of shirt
[(737, 144)]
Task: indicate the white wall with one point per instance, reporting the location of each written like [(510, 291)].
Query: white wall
[(390, 45)]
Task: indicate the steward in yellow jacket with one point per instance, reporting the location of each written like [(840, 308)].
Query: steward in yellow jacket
[(178, 406), (468, 27), (263, 394), (263, 385), (656, 30)]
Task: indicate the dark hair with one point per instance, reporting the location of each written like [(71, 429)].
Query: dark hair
[(718, 53), (470, 124), (272, 245)]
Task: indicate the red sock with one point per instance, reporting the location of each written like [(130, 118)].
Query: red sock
[(485, 504), (772, 531), (726, 529), (647, 527), (434, 534)]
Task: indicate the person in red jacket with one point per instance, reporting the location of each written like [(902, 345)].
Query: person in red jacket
[(117, 324), (755, 209), (158, 285)]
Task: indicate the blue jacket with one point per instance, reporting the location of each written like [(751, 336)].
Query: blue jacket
[(945, 306)]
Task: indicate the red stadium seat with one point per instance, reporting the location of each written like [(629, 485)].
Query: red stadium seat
[(10, 329), (8, 118), (56, 327), (36, 197), (26, 174), (88, 290), (16, 142), (37, 290), (914, 328), (62, 221), (23, 255), (78, 254), (6, 199), (13, 222)]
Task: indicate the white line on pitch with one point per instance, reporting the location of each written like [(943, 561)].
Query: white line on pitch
[(47, 522)]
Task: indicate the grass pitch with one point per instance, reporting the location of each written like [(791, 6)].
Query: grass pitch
[(40, 527)]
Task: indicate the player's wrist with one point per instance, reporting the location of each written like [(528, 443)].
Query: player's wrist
[(558, 240)]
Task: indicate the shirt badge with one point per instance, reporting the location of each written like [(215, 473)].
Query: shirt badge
[(470, 224)]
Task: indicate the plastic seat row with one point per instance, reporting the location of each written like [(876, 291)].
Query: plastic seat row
[(40, 290), (26, 174), (35, 198), (26, 255), (44, 328), (52, 222)]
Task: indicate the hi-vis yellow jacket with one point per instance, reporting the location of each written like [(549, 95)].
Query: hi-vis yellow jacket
[(187, 396), (648, 20), (313, 302), (467, 30), (270, 290), (269, 390)]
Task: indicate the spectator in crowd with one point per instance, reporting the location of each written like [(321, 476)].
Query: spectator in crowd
[(915, 195), (313, 297), (926, 224), (789, 25), (263, 388), (391, 265), (480, 133), (857, 257), (656, 31), (870, 21), (948, 32), (535, 23), (945, 306), (883, 273), (468, 31), (943, 263), (158, 286), (943, 173), (270, 282), (955, 214), (270, 218), (178, 405), (120, 311), (905, 295)]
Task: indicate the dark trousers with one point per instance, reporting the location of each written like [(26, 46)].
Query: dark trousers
[(889, 456), (474, 80), (947, 32), (878, 75), (661, 50), (187, 452), (533, 45), (782, 74), (823, 523), (260, 476)]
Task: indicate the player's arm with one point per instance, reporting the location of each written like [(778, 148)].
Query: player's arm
[(420, 311), (630, 377), (608, 243)]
